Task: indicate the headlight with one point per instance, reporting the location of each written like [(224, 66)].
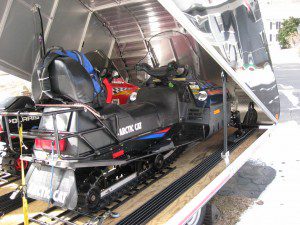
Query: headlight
[(202, 96), (115, 74), (133, 96)]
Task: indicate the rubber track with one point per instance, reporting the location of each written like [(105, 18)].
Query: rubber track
[(155, 205), (74, 215)]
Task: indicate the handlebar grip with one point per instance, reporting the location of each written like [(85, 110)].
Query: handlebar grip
[(160, 72)]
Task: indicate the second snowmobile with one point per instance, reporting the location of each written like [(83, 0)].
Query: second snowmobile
[(9, 147)]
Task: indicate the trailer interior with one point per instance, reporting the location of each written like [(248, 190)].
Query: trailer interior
[(130, 32)]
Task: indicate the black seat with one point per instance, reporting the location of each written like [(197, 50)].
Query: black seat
[(166, 101), (131, 119), (154, 108), (69, 80)]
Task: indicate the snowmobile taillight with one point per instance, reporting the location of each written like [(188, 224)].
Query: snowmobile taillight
[(45, 144), (118, 154)]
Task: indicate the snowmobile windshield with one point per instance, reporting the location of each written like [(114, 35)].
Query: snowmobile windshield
[(177, 47)]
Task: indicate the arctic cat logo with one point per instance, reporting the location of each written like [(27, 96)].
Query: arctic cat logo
[(44, 192), (130, 128), (24, 119)]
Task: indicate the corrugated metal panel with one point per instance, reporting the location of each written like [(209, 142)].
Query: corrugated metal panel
[(68, 25), (132, 23), (3, 4), (103, 40), (19, 32)]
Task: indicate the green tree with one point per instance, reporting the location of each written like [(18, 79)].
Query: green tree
[(288, 28)]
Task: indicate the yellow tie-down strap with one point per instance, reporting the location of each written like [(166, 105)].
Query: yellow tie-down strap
[(23, 182)]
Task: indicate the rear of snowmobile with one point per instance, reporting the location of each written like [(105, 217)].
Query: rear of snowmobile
[(87, 152)]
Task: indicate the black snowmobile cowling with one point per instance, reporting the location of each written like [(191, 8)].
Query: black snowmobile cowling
[(10, 152), (18, 103)]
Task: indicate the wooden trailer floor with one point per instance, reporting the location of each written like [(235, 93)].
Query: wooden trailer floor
[(186, 161), (9, 187)]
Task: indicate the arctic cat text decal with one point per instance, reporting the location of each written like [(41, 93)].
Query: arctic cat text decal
[(130, 128), (44, 192)]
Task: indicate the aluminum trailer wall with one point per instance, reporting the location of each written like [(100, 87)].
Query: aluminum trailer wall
[(217, 35)]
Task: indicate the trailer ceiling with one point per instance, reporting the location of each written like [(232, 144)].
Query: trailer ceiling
[(132, 24)]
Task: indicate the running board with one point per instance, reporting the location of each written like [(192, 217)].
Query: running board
[(159, 202)]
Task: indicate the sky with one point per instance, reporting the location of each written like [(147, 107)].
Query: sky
[(273, 9)]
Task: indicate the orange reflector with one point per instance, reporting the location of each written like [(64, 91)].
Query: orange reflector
[(118, 154), (277, 116), (217, 111)]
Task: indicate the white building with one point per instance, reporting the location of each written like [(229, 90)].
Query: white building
[(273, 14)]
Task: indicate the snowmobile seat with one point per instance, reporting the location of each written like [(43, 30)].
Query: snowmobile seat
[(154, 108), (166, 101), (131, 119), (69, 81)]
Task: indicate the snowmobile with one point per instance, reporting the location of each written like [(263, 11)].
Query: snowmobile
[(10, 152), (117, 89), (88, 152)]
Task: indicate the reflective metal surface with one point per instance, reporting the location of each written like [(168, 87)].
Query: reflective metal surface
[(133, 23), (18, 43), (213, 35), (235, 29)]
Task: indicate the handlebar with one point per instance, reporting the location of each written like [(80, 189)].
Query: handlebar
[(162, 72)]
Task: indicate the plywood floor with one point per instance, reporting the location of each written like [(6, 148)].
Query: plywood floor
[(188, 159), (9, 187)]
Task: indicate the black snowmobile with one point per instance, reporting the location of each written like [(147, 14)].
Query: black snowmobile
[(9, 147), (87, 152)]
